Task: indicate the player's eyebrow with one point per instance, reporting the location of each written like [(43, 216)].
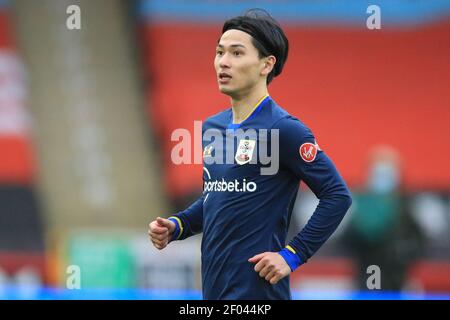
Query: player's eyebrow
[(232, 45)]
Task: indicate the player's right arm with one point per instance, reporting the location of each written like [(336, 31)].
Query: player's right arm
[(177, 227)]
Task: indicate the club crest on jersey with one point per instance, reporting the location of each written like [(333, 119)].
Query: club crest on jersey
[(308, 151), (244, 151), (207, 152)]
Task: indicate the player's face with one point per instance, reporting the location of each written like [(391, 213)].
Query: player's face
[(237, 63)]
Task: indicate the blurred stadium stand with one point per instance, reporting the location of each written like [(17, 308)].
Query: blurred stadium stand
[(85, 135), (93, 161), (21, 228)]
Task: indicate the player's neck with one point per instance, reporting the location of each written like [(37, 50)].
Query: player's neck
[(244, 105)]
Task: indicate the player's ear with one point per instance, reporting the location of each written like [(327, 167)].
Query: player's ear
[(269, 64)]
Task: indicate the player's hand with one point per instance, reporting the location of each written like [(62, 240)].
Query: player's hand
[(271, 266), (160, 231)]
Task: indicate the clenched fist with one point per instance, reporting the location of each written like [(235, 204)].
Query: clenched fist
[(160, 232)]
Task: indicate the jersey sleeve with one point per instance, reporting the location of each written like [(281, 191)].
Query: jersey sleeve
[(188, 222), (301, 155)]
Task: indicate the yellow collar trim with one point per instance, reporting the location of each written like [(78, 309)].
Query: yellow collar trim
[(254, 108)]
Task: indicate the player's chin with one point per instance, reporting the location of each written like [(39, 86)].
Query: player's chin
[(225, 89)]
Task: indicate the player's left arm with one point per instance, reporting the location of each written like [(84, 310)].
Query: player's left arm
[(300, 154)]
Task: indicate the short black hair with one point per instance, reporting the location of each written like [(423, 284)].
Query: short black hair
[(267, 36)]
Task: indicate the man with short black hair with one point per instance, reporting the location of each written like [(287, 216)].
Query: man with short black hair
[(245, 210)]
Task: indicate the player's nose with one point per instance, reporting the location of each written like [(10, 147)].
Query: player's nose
[(224, 61)]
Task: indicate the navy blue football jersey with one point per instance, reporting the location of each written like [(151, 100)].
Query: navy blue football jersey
[(251, 174)]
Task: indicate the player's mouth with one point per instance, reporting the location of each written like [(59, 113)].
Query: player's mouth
[(224, 78)]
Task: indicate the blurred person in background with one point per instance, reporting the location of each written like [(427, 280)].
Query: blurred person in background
[(244, 251), (381, 230)]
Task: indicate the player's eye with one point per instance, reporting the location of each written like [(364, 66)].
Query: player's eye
[(219, 53), (237, 53)]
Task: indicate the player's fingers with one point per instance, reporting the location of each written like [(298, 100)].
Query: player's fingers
[(159, 236), (159, 241), (270, 275), (153, 242), (275, 278), (257, 257), (159, 244), (155, 228), (264, 271), (163, 222), (260, 265)]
